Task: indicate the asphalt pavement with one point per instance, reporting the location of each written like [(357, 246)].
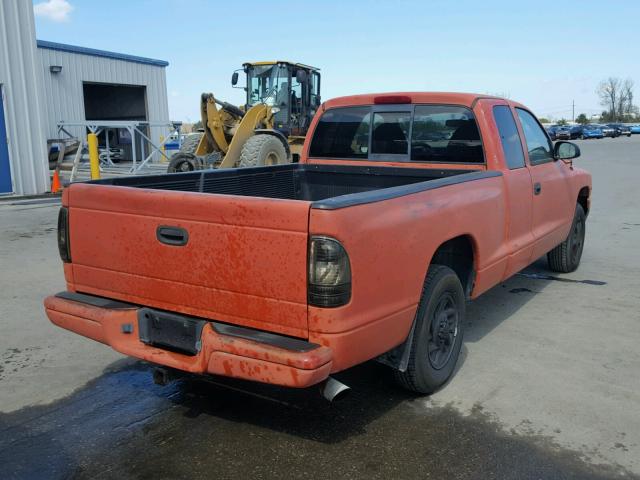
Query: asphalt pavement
[(548, 385)]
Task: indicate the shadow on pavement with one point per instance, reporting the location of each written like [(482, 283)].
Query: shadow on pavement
[(501, 302), (123, 426)]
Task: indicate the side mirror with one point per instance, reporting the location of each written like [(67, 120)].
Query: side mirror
[(301, 76), (234, 79), (565, 150)]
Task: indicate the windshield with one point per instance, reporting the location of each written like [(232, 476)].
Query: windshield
[(268, 84)]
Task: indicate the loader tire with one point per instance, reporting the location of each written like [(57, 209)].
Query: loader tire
[(185, 160), (190, 143), (263, 150)]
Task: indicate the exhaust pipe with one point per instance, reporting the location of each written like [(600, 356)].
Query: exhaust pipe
[(163, 376), (333, 390)]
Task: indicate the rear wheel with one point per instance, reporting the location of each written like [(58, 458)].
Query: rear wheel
[(566, 257), (185, 160), (263, 150), (438, 332)]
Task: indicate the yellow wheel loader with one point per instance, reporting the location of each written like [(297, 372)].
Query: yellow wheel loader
[(269, 129)]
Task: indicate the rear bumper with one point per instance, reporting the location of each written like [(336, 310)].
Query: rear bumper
[(290, 362)]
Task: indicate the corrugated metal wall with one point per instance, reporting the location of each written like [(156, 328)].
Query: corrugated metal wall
[(21, 80), (63, 95)]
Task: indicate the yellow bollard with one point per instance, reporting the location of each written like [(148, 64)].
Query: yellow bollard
[(163, 157), (94, 158)]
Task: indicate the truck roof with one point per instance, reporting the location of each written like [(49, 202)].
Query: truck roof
[(465, 99), (275, 62)]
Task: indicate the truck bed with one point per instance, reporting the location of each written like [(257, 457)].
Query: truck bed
[(305, 182), (242, 254)]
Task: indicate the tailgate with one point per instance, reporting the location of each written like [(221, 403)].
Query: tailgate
[(245, 261)]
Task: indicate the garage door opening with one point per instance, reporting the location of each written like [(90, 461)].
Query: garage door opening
[(109, 102), (114, 102)]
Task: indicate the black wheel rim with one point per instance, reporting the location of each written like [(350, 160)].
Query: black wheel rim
[(577, 241), (443, 332)]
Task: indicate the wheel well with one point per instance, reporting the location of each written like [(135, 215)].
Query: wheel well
[(457, 254), (583, 199)]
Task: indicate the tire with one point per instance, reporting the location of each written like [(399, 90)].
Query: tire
[(433, 359), (565, 258), (190, 144), (185, 160), (263, 150)]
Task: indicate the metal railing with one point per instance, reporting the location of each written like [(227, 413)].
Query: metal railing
[(138, 134)]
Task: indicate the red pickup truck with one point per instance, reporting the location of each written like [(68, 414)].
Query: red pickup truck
[(402, 207)]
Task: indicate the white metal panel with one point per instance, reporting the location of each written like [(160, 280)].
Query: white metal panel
[(63, 93), (21, 79)]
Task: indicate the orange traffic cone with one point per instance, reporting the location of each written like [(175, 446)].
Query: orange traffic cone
[(55, 184)]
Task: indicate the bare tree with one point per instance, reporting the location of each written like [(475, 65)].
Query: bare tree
[(616, 96), (626, 98), (609, 91)]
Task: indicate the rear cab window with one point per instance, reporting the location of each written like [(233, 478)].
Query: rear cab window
[(411, 133), (390, 133), (448, 134), (342, 133)]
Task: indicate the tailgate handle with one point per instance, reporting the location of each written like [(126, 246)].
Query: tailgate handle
[(175, 236)]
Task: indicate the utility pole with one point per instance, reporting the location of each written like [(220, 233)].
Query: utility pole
[(573, 111)]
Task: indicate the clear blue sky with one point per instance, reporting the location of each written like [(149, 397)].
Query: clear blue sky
[(545, 53)]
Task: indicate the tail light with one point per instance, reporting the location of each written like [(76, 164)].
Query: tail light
[(329, 273), (63, 235)]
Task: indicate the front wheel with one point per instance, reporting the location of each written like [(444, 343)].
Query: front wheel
[(438, 332), (263, 150), (565, 258)]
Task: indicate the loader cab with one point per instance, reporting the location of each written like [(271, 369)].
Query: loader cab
[(292, 90)]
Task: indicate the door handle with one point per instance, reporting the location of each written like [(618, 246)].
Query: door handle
[(537, 188), (175, 236)]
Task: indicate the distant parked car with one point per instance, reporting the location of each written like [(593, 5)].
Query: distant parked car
[(634, 129), (608, 131), (591, 131), (621, 129), (569, 132), (552, 131)]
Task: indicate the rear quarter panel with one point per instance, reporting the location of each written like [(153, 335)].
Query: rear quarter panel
[(390, 245)]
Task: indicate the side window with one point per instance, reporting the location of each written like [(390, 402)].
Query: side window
[(444, 133), (391, 133), (342, 133), (315, 89), (511, 144), (538, 143)]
